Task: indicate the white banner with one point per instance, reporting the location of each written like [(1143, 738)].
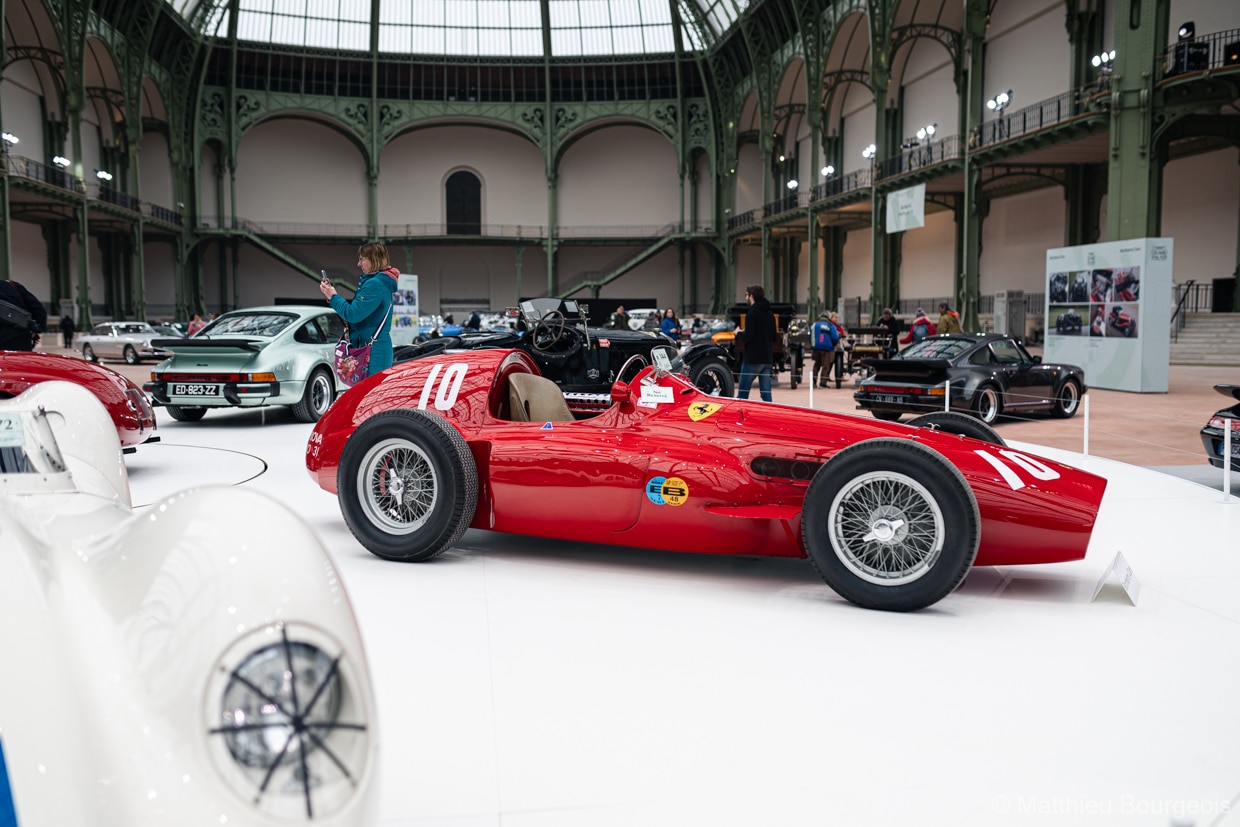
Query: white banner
[(906, 209), (405, 310)]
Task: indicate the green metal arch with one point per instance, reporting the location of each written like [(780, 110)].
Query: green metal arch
[(602, 122), (302, 114)]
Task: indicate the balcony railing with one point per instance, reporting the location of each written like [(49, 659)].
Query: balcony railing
[(1206, 52), (792, 201), (744, 219), (923, 155), (1041, 115), (51, 175)]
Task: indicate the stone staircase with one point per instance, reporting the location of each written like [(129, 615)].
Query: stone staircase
[(1208, 339)]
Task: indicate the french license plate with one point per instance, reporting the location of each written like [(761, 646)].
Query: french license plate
[(884, 397), (195, 390)]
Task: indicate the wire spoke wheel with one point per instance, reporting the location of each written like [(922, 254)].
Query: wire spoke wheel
[(399, 485), (887, 528)]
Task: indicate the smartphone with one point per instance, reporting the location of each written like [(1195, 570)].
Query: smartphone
[(324, 273)]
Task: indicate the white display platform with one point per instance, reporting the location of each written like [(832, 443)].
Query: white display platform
[(528, 683)]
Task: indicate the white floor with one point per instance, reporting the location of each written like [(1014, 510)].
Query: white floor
[(549, 684)]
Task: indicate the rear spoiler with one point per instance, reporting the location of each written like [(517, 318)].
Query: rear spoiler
[(921, 370), (204, 344), (1229, 390)]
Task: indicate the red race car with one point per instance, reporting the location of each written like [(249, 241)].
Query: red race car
[(892, 516), (128, 406)]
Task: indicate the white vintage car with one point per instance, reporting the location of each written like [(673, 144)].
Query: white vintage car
[(156, 670)]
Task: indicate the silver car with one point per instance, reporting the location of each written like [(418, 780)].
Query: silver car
[(281, 355), (130, 341)]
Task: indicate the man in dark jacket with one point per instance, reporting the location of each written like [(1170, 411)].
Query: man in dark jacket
[(20, 336), (758, 337)]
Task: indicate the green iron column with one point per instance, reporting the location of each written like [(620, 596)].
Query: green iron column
[(1134, 175), (969, 219), (520, 254), (1083, 191)]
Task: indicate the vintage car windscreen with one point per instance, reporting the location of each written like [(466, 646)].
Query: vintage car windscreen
[(249, 324), (936, 349), (27, 445), (133, 328)]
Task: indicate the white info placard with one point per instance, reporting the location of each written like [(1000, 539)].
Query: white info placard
[(1121, 572), (655, 394)]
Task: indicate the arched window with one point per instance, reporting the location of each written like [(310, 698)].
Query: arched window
[(464, 204)]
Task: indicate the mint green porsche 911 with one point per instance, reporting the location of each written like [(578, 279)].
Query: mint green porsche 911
[(279, 355)]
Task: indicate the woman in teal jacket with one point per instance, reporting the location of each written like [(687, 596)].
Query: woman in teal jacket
[(371, 308)]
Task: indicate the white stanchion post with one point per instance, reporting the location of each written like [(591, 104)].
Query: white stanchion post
[(1085, 413), (1226, 461), (947, 395)]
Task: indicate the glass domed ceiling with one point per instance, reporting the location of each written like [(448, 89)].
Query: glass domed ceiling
[(472, 28)]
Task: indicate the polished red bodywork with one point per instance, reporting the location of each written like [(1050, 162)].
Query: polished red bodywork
[(743, 466), (125, 402)]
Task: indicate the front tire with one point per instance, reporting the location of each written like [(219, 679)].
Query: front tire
[(1068, 400), (318, 396), (950, 422), (407, 485), (88, 353), (183, 413), (131, 355), (891, 524), (986, 404), (713, 377)]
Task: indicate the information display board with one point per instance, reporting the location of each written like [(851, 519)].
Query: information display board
[(405, 310), (1108, 310)]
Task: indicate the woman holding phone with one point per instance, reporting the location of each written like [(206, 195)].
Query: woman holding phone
[(368, 315)]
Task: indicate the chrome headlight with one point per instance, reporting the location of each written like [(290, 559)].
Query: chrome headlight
[(288, 722)]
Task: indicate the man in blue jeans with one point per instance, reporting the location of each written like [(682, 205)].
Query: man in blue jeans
[(758, 336)]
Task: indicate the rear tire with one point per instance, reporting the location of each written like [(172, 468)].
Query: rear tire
[(1068, 400), (713, 377), (891, 524), (318, 396), (185, 414), (986, 404), (950, 422), (887, 416), (407, 485)]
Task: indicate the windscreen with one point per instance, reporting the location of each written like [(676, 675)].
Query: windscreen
[(936, 349), (249, 324)]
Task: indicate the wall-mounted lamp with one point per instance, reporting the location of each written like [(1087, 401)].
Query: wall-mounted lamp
[(793, 184), (1103, 60), (781, 158), (60, 160), (103, 175), (1000, 101), (1188, 30), (828, 171), (9, 137), (869, 151)]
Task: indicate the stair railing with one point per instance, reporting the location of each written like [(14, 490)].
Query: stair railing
[(1179, 315)]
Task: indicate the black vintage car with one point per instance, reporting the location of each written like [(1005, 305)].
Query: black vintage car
[(579, 358), (1068, 322), (987, 374), (1212, 433)]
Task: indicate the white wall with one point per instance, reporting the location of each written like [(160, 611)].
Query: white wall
[(302, 172), (619, 176), (1015, 238), (858, 265), (1027, 51), (928, 257), (29, 259), (20, 102), (1200, 198), (155, 171)]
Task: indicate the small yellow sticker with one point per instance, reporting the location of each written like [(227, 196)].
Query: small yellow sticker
[(675, 491), (701, 410)]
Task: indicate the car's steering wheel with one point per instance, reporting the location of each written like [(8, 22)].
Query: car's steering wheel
[(549, 333)]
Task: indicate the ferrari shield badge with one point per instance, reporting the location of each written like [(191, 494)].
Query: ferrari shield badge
[(701, 410)]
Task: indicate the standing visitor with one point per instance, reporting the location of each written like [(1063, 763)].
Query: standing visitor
[(670, 326), (758, 337), (367, 315), (67, 329), (825, 337), (949, 320), (195, 324), (620, 319), (22, 317)]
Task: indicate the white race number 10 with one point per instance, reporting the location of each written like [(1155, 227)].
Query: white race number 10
[(449, 386), (1031, 466)]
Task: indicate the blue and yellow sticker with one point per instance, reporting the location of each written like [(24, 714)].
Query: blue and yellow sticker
[(700, 410), (667, 491)]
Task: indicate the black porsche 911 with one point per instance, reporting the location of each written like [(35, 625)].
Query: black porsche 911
[(1212, 433), (988, 375)]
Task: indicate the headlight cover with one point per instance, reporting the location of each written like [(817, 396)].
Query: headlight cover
[(288, 722)]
